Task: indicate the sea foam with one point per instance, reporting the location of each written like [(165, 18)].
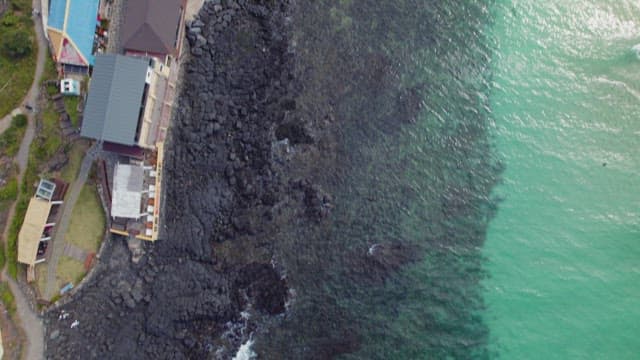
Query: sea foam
[(636, 49), (245, 352)]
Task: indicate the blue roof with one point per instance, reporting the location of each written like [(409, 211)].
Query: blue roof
[(81, 22), (81, 25), (56, 13)]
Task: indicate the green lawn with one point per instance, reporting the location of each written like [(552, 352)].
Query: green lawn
[(16, 75), (41, 278), (71, 105), (87, 224), (49, 138), (76, 153), (69, 270), (50, 72)]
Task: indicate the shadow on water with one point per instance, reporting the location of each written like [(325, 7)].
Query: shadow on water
[(396, 92)]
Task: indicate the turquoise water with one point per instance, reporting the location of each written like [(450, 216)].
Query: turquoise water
[(564, 249), (427, 103)]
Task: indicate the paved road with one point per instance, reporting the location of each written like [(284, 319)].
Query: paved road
[(30, 321), (67, 208)]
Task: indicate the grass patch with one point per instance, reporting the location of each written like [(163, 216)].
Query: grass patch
[(50, 72), (76, 153), (12, 239), (7, 298), (3, 257), (42, 270), (69, 270), (17, 74), (51, 90), (71, 105), (9, 191), (11, 138), (87, 224), (49, 139)]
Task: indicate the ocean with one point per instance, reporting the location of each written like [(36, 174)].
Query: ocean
[(482, 180), (562, 253), (389, 179)]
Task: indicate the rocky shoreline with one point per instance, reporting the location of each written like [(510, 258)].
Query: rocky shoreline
[(187, 297), (287, 195)]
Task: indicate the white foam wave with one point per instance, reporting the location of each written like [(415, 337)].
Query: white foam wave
[(619, 84), (245, 352), (636, 49)]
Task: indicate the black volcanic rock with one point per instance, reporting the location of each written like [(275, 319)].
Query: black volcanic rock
[(180, 299)]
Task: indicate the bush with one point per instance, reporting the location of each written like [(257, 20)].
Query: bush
[(16, 43), (10, 20), (19, 121)]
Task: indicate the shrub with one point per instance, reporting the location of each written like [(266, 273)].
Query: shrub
[(10, 20), (19, 121), (16, 43)]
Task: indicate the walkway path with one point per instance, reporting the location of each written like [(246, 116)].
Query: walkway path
[(67, 208), (75, 252), (31, 323)]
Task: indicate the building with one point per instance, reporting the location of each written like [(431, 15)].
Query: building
[(129, 103), (39, 222), (128, 182), (116, 99), (153, 28), (135, 203), (70, 87), (70, 28)]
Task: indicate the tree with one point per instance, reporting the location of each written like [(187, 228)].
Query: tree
[(16, 43)]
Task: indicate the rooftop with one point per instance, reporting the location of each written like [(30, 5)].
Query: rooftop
[(151, 26), (46, 189), (71, 25), (31, 232), (115, 98), (127, 191)]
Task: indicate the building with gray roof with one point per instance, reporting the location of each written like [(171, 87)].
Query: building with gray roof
[(116, 99)]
